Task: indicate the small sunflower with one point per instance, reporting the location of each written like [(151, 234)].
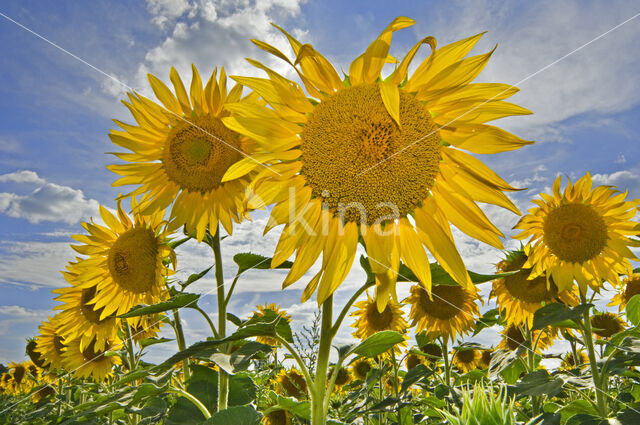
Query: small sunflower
[(277, 417), (35, 356), (513, 337), (125, 263), (370, 320), (433, 350), (630, 287), (520, 297), (145, 327), (466, 360), (181, 150), (361, 367), (447, 311), (485, 359), (413, 360), (343, 378), (50, 343), (580, 234), (605, 325), (261, 310), (46, 391), (568, 362), (384, 154), (90, 362), (21, 382), (291, 383)]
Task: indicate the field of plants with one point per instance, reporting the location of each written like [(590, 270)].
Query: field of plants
[(384, 160)]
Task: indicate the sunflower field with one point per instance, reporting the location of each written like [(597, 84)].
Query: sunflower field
[(370, 170)]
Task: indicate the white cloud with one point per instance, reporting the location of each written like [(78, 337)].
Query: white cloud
[(34, 264), (9, 145), (48, 202), (165, 11), (624, 180)]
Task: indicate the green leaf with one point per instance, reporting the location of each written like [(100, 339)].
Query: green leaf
[(241, 358), (248, 260), (234, 319), (298, 408), (440, 277), (180, 300), (238, 415), (378, 343), (507, 364), (194, 277), (489, 319), (153, 341), (415, 375), (633, 310), (555, 313), (576, 407), (539, 382)]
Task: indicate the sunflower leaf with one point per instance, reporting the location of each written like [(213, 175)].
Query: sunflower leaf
[(247, 261), (633, 310), (555, 313), (440, 277), (378, 343), (180, 300)]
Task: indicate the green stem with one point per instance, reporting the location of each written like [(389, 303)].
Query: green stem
[(447, 366), (531, 356), (233, 286), (177, 327), (345, 309), (129, 342), (223, 378), (595, 373), (318, 408), (193, 400), (208, 319), (301, 365)]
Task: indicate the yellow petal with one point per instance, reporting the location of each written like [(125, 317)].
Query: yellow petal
[(391, 99), (413, 254), (181, 92)]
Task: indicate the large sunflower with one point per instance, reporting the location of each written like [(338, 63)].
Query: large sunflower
[(361, 367), (580, 234), (50, 343), (520, 297), (181, 150), (630, 287), (380, 158), (446, 311), (370, 320), (90, 361), (125, 263)]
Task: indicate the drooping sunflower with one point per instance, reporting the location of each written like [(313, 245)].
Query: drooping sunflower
[(34, 355), (90, 362), (370, 320), (277, 417), (606, 324), (361, 368), (145, 327), (520, 297), (291, 383), (450, 311), (568, 361), (513, 337), (580, 234), (485, 359), (467, 360), (125, 263), (6, 383), (433, 350), (630, 287), (50, 343), (261, 310), (343, 378), (181, 149), (45, 392), (413, 360), (384, 155)]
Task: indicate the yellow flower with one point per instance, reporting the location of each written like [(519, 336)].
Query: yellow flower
[(485, 359), (433, 350), (277, 417), (342, 379), (50, 343), (413, 360), (466, 360), (291, 383), (261, 310), (513, 337), (520, 297), (125, 261), (607, 324), (90, 362), (580, 234), (34, 355), (450, 311), (20, 381), (361, 367), (568, 362), (145, 326), (181, 150), (46, 391), (370, 320), (630, 287), (376, 157)]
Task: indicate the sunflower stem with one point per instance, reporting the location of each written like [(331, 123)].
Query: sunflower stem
[(193, 400), (318, 407), (447, 366), (347, 307), (595, 373), (208, 319), (223, 377), (531, 357), (177, 327)]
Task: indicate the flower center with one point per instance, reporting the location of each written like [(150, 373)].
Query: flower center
[(18, 373), (575, 233), (466, 356), (90, 352), (447, 301), (632, 288), (294, 384), (194, 156), (277, 417), (432, 349), (606, 324), (365, 167), (362, 369), (58, 344), (132, 260), (88, 312), (514, 337), (379, 321), (33, 354), (527, 290)]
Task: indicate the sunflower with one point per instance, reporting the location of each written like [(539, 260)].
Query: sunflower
[(145, 327), (607, 324), (466, 360), (413, 360), (568, 362), (46, 391), (261, 310), (277, 417), (380, 158), (20, 381), (343, 378), (433, 350), (485, 359), (291, 383), (445, 311), (630, 287), (90, 362), (370, 320), (125, 263), (6, 383), (580, 234), (50, 343), (520, 297), (35, 356), (513, 337), (181, 149), (361, 368)]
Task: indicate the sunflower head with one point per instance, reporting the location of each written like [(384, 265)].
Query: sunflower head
[(361, 368), (413, 360), (89, 361), (580, 234), (272, 308), (630, 287), (291, 383), (514, 337), (370, 320), (485, 359), (433, 350), (343, 378), (569, 362), (46, 392), (605, 325), (35, 356), (368, 151), (446, 311), (277, 417), (466, 359)]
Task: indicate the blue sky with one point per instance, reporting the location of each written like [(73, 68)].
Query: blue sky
[(55, 113)]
